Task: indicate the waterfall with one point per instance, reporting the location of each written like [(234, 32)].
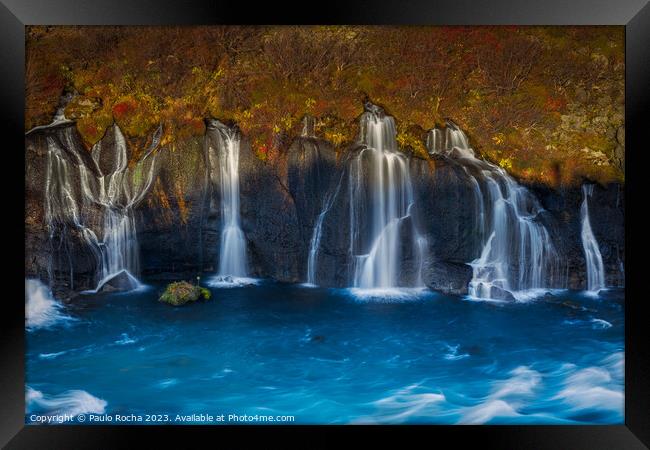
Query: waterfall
[(435, 142), (517, 250), (308, 127), (593, 258), (120, 253), (59, 118), (381, 196), (102, 181), (232, 255), (62, 213), (314, 245)]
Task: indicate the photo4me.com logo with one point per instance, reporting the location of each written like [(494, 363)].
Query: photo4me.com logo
[(201, 418)]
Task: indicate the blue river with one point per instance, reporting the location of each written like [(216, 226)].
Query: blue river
[(277, 353)]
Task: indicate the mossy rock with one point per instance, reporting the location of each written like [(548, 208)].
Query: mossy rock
[(182, 292)]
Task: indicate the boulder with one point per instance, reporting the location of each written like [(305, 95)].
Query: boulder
[(447, 277), (182, 292), (120, 281)]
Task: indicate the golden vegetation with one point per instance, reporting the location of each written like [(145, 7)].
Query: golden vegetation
[(544, 102)]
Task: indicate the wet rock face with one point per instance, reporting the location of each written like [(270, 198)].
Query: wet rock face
[(607, 219), (447, 277), (310, 174), (63, 259), (179, 221), (279, 203), (445, 209), (269, 220), (445, 213), (171, 236), (75, 196)]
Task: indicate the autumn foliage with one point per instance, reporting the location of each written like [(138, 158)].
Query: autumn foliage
[(544, 102)]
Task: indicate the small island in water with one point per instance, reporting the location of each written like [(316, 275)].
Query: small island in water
[(325, 225)]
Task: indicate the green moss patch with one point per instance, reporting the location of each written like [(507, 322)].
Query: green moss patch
[(182, 292)]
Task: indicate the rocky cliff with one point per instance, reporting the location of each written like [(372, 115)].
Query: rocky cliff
[(178, 221)]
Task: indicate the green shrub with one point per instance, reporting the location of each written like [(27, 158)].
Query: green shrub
[(205, 293), (182, 292)]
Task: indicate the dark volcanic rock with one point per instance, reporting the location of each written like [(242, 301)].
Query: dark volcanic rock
[(497, 293), (607, 215), (311, 174), (447, 277), (269, 219), (607, 218), (179, 221), (64, 259), (280, 202), (121, 281), (170, 220), (444, 207)]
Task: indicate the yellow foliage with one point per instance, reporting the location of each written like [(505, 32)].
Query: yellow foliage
[(511, 89), (506, 163), (498, 138)]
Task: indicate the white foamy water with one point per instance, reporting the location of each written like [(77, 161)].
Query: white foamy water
[(389, 294), (405, 404), (41, 309), (591, 389), (314, 246), (51, 355), (223, 151), (487, 411), (453, 355), (71, 402), (232, 259), (506, 397), (125, 340), (600, 324), (573, 390), (381, 196), (76, 184), (599, 388), (518, 256), (593, 258), (232, 282)]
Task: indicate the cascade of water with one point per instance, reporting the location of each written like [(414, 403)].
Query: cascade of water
[(435, 141), (116, 193), (308, 127), (314, 245), (232, 257), (380, 197), (62, 213), (593, 258), (457, 139), (59, 118), (517, 250)]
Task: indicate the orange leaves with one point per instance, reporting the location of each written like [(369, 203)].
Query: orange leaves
[(136, 114), (517, 83), (555, 103), (124, 108)]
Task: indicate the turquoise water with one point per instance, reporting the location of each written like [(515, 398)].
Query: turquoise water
[(330, 356)]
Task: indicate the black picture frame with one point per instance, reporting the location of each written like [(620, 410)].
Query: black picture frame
[(633, 14)]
